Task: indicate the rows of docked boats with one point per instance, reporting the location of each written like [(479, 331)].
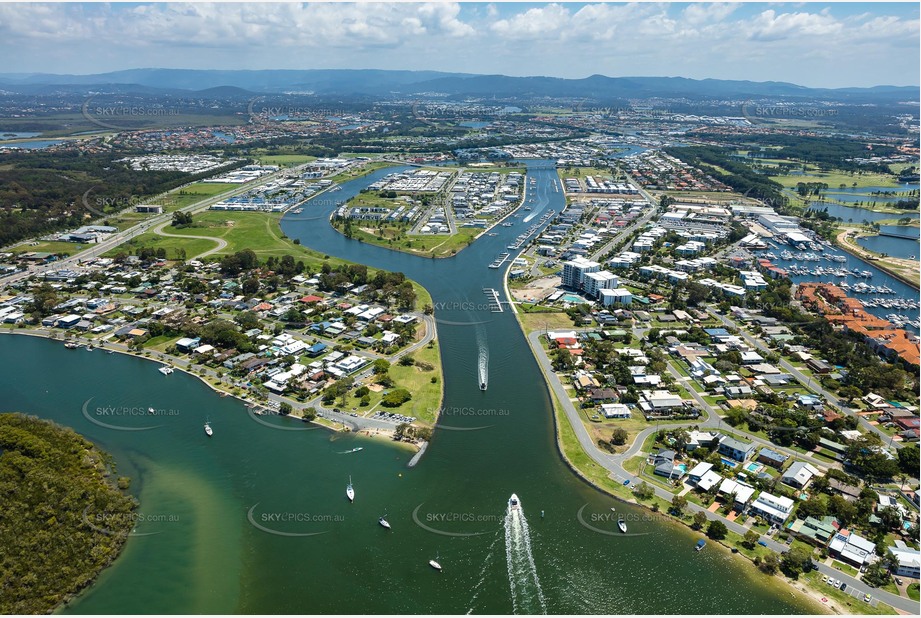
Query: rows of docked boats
[(523, 237), (864, 288), (900, 321), (806, 256), (890, 303), (825, 271)]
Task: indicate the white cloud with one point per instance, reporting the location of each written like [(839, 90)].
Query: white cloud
[(534, 23), (771, 26), (798, 43)]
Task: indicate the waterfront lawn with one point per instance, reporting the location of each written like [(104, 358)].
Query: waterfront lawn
[(426, 395), (578, 459), (353, 173), (834, 179), (845, 600), (428, 245)]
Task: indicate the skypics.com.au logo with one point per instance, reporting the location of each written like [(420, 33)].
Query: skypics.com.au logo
[(117, 416), (291, 523), (105, 205), (121, 117), (760, 113)]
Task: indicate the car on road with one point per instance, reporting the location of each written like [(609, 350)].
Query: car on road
[(825, 579), (866, 598), (843, 586)]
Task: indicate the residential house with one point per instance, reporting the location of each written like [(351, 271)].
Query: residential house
[(664, 462), (907, 560), (736, 449), (772, 458), (799, 474), (775, 509), (740, 493), (852, 548)]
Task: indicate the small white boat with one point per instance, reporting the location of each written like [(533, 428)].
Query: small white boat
[(383, 522), (208, 431), (350, 491), (435, 564), (165, 370), (622, 525), (513, 503), (150, 410)]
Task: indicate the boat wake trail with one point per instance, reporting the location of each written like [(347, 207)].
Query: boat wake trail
[(527, 595), (483, 358), (481, 579)]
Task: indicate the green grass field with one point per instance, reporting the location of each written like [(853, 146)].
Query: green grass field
[(192, 194), (836, 178), (285, 160), (50, 246), (192, 246)]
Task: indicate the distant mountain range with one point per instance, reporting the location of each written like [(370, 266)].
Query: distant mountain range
[(373, 82)]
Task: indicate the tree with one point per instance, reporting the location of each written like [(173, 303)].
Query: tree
[(679, 503), (751, 539), (795, 561), (717, 530), (643, 491), (619, 437), (700, 519), (908, 459), (768, 564), (285, 408), (381, 365), (250, 286), (877, 575), (396, 398)]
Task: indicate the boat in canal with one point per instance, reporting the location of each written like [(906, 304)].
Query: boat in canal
[(700, 545), (208, 430), (622, 525)]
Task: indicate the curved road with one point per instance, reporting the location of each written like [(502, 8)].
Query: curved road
[(221, 243)]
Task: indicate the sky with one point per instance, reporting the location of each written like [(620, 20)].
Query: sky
[(811, 44)]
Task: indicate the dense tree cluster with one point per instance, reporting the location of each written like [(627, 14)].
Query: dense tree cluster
[(54, 484)]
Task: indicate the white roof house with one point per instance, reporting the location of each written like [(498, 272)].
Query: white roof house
[(709, 480), (774, 508), (615, 410), (740, 492), (852, 547), (907, 559), (799, 474)]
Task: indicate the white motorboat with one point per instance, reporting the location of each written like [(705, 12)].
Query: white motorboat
[(622, 525), (435, 564), (208, 431), (383, 522), (513, 503), (350, 491), (165, 370)]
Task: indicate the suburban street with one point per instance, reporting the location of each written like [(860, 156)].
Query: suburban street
[(614, 464)]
